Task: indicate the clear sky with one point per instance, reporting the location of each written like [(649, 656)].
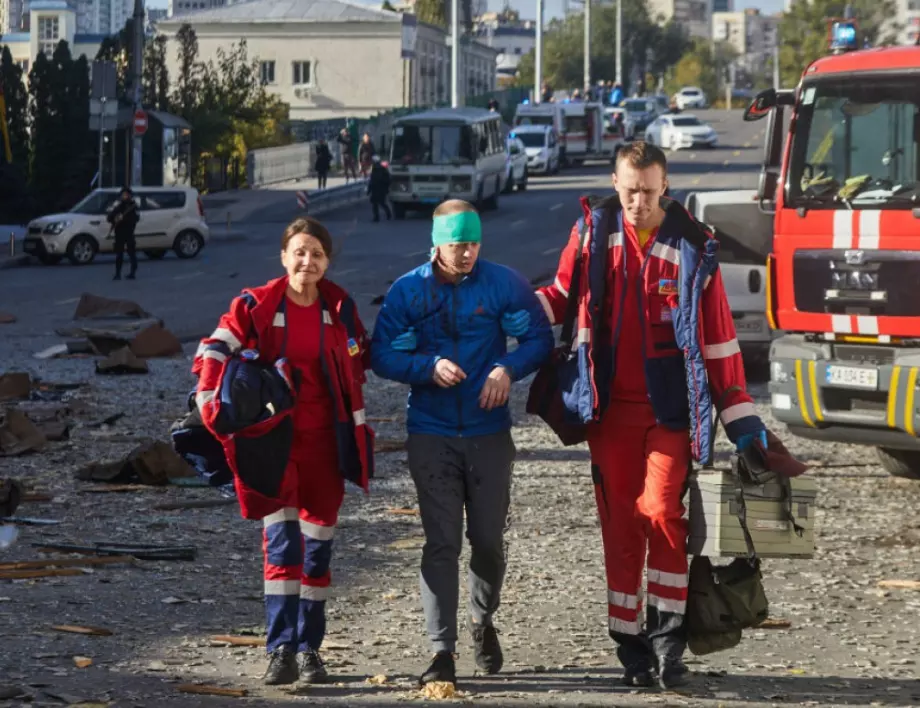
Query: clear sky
[(528, 8)]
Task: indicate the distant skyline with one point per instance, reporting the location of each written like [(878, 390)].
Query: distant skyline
[(528, 8)]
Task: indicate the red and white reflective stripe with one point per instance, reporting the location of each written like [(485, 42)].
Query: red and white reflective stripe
[(667, 604), (546, 307), (359, 416), (310, 592), (675, 580), (729, 415), (202, 398), (721, 351), (665, 253), (278, 321), (843, 229), (584, 336), (622, 599), (327, 318), (841, 324), (282, 587), (616, 239), (866, 324), (316, 532), (227, 337), (615, 624), (870, 228), (214, 354), (558, 285), (288, 513)]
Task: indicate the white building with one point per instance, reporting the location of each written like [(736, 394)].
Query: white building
[(751, 34), (335, 59), (47, 23), (694, 15), (92, 16), (908, 17), (512, 40)]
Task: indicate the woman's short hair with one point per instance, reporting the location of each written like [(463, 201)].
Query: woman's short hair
[(311, 227)]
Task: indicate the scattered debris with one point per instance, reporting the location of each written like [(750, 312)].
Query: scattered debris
[(7, 318), (80, 629), (439, 690), (238, 641), (194, 504), (770, 623), (10, 692), (173, 600), (154, 463), (212, 690), (378, 680), (406, 543), (18, 434), (383, 445), (138, 551), (65, 562), (398, 511), (94, 307), (155, 341), (120, 488), (122, 361), (900, 584), (111, 420), (81, 662), (11, 495), (34, 574), (383, 419), (28, 521)]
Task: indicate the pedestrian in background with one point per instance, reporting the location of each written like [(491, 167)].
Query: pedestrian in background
[(442, 329), (123, 218), (314, 324), (378, 188), (366, 152), (348, 159), (323, 162)]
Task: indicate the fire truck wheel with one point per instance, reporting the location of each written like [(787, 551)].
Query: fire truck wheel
[(900, 463)]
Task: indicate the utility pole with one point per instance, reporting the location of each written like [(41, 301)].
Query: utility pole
[(729, 85), (538, 56), (776, 60), (138, 66), (454, 53), (619, 43), (587, 48)]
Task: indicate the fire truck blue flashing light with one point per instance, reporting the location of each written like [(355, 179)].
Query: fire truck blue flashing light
[(525, 102), (843, 36)]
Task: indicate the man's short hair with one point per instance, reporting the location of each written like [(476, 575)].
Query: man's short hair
[(641, 155), (453, 206)]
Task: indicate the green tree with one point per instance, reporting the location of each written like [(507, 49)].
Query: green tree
[(432, 12), (44, 127), (803, 31), (188, 81), (388, 6), (156, 75), (117, 48), (703, 66), (17, 108)]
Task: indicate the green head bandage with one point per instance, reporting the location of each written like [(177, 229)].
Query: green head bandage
[(463, 227)]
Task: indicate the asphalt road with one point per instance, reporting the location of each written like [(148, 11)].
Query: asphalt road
[(526, 232)]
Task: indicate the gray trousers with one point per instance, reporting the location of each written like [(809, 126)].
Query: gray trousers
[(451, 474)]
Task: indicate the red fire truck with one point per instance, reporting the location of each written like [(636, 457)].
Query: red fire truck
[(843, 278)]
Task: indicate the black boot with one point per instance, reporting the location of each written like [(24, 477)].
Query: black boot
[(131, 275), (442, 668), (117, 276), (282, 668), (638, 677), (488, 651), (672, 672), (635, 654), (312, 668)]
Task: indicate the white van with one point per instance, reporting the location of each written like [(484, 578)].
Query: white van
[(588, 135), (544, 114), (541, 147), (171, 218), (447, 153)]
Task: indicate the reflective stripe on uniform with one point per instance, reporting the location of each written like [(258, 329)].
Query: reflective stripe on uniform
[(316, 532), (282, 587), (225, 335), (667, 604), (615, 624), (721, 351), (670, 580), (310, 592), (622, 599)]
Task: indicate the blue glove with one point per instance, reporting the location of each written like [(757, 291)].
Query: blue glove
[(406, 342), (514, 324), (745, 441)]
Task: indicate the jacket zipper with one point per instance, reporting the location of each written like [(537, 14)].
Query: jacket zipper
[(456, 336)]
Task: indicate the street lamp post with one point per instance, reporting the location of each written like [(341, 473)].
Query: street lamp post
[(538, 56), (587, 48), (619, 42), (455, 53)]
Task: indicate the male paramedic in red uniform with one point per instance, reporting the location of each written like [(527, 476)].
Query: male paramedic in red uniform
[(657, 352)]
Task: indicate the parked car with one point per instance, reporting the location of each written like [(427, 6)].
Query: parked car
[(171, 218), (517, 165), (681, 131), (690, 97), (641, 112), (629, 125), (542, 148)]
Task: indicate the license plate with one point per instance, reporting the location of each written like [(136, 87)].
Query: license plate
[(29, 246), (430, 200), (749, 326), (851, 376)]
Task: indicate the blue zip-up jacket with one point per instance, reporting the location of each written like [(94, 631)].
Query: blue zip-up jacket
[(461, 323)]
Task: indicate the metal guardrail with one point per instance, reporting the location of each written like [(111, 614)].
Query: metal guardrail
[(326, 200), (280, 164)]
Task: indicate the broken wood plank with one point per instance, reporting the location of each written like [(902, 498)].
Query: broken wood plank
[(36, 497), (81, 629), (389, 445), (384, 419), (239, 641), (65, 562), (116, 488), (771, 623), (29, 574), (204, 690), (194, 504), (900, 584), (402, 511)]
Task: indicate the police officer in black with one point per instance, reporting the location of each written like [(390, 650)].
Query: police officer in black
[(124, 218)]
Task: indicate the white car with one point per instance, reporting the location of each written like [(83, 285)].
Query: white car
[(680, 131), (690, 97), (541, 146), (516, 170), (745, 237), (171, 218)]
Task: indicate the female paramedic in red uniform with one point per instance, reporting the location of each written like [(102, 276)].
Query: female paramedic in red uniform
[(315, 325)]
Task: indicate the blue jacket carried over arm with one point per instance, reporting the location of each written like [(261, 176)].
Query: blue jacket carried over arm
[(460, 322)]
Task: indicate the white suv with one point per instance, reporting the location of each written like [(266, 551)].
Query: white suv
[(690, 97), (171, 218)]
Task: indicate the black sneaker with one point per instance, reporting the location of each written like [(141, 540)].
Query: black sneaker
[(488, 651), (131, 276), (442, 668), (117, 276), (282, 668), (672, 673), (312, 668), (640, 677)]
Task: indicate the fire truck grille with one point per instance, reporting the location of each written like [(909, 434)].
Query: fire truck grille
[(857, 282)]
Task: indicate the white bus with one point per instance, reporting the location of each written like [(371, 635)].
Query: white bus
[(447, 153)]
